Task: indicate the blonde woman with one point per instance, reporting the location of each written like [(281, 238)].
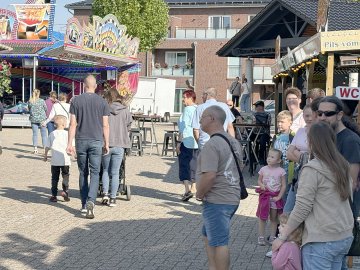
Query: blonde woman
[(59, 108), (38, 110)]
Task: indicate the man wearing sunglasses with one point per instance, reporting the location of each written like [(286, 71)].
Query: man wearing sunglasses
[(347, 141)]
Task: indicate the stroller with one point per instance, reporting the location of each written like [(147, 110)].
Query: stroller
[(123, 188)]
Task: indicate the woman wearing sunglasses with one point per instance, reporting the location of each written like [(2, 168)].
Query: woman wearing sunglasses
[(322, 202)]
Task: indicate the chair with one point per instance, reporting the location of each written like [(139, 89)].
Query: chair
[(145, 130), (170, 139), (136, 141)]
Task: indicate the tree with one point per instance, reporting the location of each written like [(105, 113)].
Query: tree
[(145, 19)]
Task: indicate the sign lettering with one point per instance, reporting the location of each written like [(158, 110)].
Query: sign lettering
[(349, 93)]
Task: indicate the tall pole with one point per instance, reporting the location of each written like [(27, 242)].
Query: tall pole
[(73, 86), (34, 72), (23, 89), (30, 87)]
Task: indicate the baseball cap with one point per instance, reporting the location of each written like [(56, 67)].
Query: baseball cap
[(259, 103)]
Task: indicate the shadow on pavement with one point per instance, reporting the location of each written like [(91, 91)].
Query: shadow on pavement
[(38, 195), (166, 243)]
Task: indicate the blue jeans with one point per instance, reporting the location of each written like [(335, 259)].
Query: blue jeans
[(216, 226), (35, 127), (290, 201), (327, 255), (245, 103), (50, 127), (111, 166), (89, 153)]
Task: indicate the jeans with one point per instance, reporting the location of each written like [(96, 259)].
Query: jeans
[(111, 166), (35, 127), (290, 201), (89, 154), (55, 174), (326, 255), (245, 103), (50, 127), (217, 219)]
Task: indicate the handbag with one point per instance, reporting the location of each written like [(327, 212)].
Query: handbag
[(243, 192), (355, 245)]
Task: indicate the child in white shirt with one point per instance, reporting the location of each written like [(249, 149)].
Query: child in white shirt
[(60, 161)]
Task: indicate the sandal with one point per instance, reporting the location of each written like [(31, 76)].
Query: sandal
[(261, 241)]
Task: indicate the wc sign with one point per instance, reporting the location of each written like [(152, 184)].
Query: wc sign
[(350, 93)]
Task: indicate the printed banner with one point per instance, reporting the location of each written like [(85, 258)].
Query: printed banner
[(8, 24)]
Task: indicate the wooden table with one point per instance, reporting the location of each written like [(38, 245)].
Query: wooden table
[(244, 132), (140, 119)]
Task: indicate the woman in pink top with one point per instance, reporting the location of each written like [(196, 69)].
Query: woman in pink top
[(298, 152), (288, 257)]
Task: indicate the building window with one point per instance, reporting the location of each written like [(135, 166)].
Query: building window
[(234, 67), (178, 105), (175, 58), (250, 17), (219, 22)]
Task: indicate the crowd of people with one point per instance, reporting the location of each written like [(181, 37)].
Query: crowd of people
[(307, 179), (309, 174)]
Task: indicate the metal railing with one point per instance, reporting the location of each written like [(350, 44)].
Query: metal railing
[(201, 33), (171, 71)]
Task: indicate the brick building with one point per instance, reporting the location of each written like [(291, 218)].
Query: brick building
[(197, 30)]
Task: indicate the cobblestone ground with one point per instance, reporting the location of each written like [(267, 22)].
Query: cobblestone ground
[(154, 230)]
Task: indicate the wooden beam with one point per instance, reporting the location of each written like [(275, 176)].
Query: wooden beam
[(288, 27), (330, 75), (310, 75)]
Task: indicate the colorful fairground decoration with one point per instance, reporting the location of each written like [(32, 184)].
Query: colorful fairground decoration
[(31, 21), (105, 35)]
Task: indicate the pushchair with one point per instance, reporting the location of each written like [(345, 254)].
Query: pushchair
[(123, 189)]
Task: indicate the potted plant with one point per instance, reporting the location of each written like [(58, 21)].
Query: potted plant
[(176, 66), (188, 65), (5, 79), (157, 65), (166, 65)]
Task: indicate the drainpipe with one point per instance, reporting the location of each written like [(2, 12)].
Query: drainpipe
[(194, 61)]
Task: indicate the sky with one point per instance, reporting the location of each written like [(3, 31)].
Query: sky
[(61, 13)]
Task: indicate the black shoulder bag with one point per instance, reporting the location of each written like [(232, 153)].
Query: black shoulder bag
[(243, 192), (355, 246)]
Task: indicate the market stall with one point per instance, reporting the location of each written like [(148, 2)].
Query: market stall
[(52, 61)]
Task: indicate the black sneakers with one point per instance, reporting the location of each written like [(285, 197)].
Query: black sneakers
[(53, 199), (105, 199), (187, 196), (112, 202)]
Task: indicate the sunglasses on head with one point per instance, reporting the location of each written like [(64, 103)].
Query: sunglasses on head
[(326, 113)]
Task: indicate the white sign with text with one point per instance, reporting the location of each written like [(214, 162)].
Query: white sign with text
[(346, 92)]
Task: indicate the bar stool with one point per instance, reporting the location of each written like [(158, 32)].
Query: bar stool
[(136, 141), (166, 116), (170, 135), (145, 130)]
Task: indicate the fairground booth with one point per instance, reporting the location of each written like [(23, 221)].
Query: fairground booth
[(51, 61)]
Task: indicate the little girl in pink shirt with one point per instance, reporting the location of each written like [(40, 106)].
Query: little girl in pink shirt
[(288, 257), (272, 187)]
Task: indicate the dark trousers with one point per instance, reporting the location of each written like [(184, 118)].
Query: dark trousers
[(235, 100), (55, 174)]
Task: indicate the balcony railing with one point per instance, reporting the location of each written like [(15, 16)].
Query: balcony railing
[(201, 33), (171, 71)]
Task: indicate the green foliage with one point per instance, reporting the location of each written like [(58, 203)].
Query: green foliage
[(5, 79), (145, 19)]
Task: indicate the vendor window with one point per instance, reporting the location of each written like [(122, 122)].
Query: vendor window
[(175, 58), (234, 67), (219, 22)]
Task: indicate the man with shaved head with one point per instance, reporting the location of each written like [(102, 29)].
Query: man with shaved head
[(89, 124), (218, 186), (209, 99)]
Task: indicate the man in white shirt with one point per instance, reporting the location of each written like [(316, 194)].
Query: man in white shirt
[(245, 97), (209, 99)]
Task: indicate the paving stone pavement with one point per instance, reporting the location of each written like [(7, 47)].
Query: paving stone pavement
[(154, 230)]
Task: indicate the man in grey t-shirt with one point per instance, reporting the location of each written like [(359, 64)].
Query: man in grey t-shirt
[(89, 124), (218, 185)]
